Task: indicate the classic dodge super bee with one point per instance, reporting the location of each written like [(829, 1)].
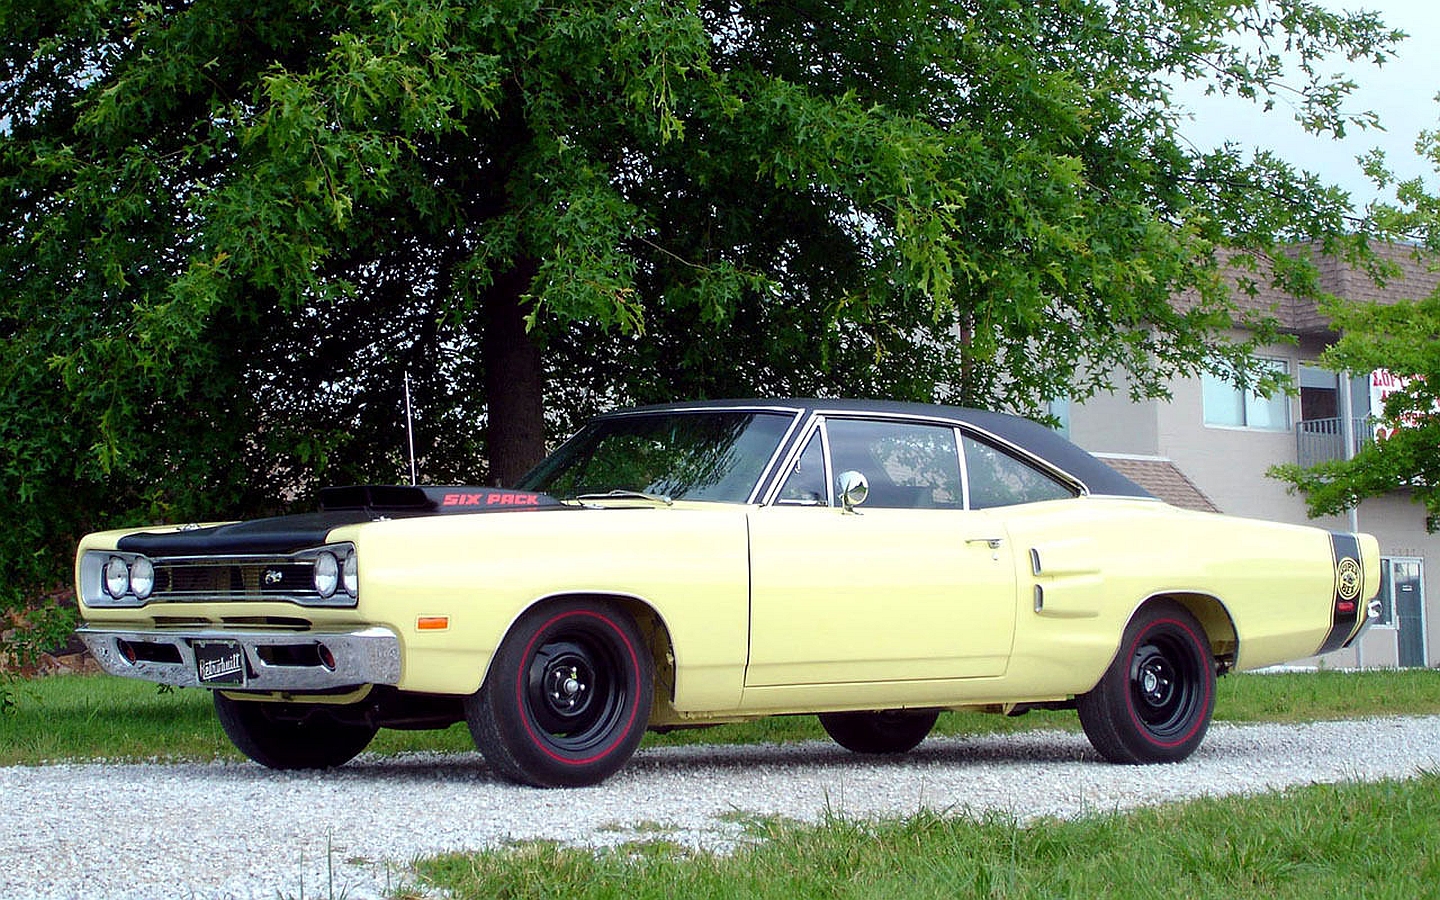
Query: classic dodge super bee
[(874, 563)]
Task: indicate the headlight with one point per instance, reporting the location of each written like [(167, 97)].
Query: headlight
[(117, 577), (327, 574), (142, 577), (350, 575)]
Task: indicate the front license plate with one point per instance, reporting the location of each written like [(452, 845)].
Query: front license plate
[(219, 662)]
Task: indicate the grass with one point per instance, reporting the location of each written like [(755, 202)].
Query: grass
[(101, 717), (1345, 840)]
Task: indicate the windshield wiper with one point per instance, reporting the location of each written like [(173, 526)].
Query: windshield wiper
[(620, 494)]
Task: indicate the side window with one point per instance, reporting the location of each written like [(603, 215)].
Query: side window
[(805, 485), (999, 479), (908, 466)]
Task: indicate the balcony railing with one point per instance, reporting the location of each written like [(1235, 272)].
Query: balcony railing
[(1319, 440)]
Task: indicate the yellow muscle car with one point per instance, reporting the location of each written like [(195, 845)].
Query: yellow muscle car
[(683, 565)]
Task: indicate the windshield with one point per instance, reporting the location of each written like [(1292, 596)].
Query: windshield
[(703, 455)]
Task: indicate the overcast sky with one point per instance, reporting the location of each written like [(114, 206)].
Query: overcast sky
[(1402, 92)]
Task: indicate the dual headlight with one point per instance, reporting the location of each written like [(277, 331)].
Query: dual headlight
[(123, 578), (337, 572)]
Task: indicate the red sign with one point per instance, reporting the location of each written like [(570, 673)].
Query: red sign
[(1383, 383)]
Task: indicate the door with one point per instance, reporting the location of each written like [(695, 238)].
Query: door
[(1408, 584), (909, 586), (878, 595)]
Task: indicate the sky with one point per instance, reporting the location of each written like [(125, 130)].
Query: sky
[(1402, 92)]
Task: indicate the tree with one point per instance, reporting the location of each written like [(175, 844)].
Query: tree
[(1402, 339), (229, 229)]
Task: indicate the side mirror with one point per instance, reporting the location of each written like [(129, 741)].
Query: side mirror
[(854, 488)]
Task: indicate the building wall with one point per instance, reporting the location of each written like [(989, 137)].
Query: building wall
[(1115, 424)]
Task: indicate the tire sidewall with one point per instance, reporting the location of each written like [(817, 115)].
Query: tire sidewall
[(534, 754), (320, 742), (885, 732), (1175, 629)]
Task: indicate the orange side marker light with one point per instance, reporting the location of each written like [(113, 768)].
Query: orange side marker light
[(432, 623)]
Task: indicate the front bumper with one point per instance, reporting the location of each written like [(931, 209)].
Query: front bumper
[(289, 661)]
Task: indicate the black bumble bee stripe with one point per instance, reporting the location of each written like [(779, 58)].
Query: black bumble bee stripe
[(1347, 607)]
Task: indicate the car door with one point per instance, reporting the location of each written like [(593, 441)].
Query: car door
[(908, 586)]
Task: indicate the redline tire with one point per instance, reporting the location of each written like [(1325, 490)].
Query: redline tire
[(567, 698), (884, 732), (291, 735), (1154, 702)]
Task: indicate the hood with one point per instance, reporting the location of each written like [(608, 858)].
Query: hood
[(338, 506)]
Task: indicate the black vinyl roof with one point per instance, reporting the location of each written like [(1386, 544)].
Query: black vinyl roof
[(1032, 437)]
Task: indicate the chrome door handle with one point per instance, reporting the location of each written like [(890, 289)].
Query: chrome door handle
[(992, 542)]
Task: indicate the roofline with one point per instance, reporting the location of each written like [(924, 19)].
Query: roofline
[(1026, 435)]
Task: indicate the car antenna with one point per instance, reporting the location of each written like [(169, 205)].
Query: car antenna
[(409, 428)]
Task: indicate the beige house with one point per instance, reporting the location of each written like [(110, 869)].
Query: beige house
[(1210, 445)]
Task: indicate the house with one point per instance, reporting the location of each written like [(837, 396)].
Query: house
[(1210, 445)]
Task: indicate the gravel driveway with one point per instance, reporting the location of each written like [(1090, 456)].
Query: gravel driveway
[(235, 830)]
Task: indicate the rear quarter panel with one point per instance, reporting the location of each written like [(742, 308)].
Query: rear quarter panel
[(1099, 559)]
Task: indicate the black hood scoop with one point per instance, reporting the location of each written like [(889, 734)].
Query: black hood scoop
[(338, 506)]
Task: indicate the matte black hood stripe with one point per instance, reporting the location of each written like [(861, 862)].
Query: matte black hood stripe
[(281, 534)]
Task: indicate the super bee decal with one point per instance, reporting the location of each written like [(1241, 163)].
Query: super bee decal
[(1346, 614), (1348, 579)]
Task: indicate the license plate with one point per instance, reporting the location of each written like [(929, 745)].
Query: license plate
[(219, 662)]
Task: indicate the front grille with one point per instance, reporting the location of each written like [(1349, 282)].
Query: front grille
[(283, 579), (246, 580)]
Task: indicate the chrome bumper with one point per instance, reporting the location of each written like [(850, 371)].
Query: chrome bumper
[(292, 661)]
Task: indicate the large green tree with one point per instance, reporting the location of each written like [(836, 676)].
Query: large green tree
[(230, 228), (1403, 339)]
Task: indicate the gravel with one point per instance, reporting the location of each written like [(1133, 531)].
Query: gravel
[(236, 830)]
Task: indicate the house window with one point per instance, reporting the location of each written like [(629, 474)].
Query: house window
[(1059, 410), (1227, 405), (1319, 394)]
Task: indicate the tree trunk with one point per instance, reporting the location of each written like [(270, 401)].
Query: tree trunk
[(514, 380)]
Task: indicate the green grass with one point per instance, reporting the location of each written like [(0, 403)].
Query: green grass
[(1343, 840), (101, 717), (86, 717)]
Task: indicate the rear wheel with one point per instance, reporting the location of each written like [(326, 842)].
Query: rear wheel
[(1154, 702), (291, 735), (887, 731), (568, 696)]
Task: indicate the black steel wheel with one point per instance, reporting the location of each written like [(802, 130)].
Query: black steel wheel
[(567, 698), (291, 735), (886, 731), (1154, 702)]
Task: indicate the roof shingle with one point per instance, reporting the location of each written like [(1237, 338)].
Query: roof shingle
[(1162, 478)]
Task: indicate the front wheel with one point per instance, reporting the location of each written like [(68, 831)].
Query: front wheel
[(291, 735), (1154, 702), (567, 698), (887, 731)]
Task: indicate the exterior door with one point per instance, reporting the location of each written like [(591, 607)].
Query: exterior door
[(910, 586), (878, 595), (1408, 584)]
